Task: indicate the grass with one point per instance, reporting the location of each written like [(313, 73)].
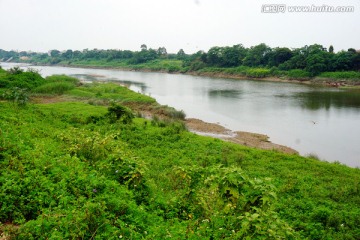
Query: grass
[(70, 171), (109, 91)]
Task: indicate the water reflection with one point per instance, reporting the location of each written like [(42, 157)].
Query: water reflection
[(136, 86), (315, 100), (88, 77), (228, 93)]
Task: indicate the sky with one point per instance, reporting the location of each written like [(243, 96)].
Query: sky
[(193, 25)]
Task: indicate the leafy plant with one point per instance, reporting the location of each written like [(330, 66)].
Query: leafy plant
[(120, 113), (17, 95)]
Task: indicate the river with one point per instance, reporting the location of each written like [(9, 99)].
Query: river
[(313, 120)]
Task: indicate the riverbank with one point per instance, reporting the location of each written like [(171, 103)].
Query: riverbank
[(254, 140)]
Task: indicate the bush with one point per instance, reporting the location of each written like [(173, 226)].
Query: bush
[(298, 74), (258, 72), (57, 84), (17, 95), (117, 112), (27, 80), (54, 88), (341, 75), (63, 78)]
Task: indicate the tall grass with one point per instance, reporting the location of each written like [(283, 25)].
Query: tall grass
[(54, 88), (57, 84)]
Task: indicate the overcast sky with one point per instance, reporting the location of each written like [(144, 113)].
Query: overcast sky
[(41, 25)]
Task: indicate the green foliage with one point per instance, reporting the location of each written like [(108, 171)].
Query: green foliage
[(341, 75), (57, 84), (54, 88), (63, 78), (16, 77), (110, 92), (120, 113), (17, 95), (258, 72), (298, 74)]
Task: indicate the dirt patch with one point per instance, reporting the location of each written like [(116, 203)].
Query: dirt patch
[(7, 230), (198, 125), (243, 138), (48, 99)]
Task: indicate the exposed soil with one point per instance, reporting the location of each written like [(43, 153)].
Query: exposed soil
[(243, 138)]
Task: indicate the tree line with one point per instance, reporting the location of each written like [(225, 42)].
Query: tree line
[(314, 59)]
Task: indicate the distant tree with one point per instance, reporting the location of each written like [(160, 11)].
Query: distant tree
[(331, 49), (233, 56), (316, 63), (342, 61), (54, 53), (162, 51), (181, 54), (143, 47), (77, 54), (257, 55), (215, 56), (352, 50), (68, 54), (278, 56), (23, 54)]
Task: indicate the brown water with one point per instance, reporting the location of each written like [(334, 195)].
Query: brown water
[(313, 120)]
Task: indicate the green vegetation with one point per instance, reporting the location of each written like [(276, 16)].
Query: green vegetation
[(349, 75), (298, 74), (57, 84), (258, 61), (88, 168)]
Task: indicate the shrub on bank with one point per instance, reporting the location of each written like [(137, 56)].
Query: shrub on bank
[(258, 72), (341, 75), (298, 74)]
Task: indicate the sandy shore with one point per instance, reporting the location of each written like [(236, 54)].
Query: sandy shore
[(243, 138)]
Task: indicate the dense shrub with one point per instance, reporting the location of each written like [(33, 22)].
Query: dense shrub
[(298, 74), (117, 112), (341, 75), (17, 95)]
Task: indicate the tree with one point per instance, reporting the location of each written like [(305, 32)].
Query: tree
[(54, 53), (233, 56), (181, 54), (316, 63), (331, 49), (278, 56), (68, 54), (143, 47), (257, 55), (162, 51), (214, 56)]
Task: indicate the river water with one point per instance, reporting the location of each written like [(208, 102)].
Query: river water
[(312, 120)]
